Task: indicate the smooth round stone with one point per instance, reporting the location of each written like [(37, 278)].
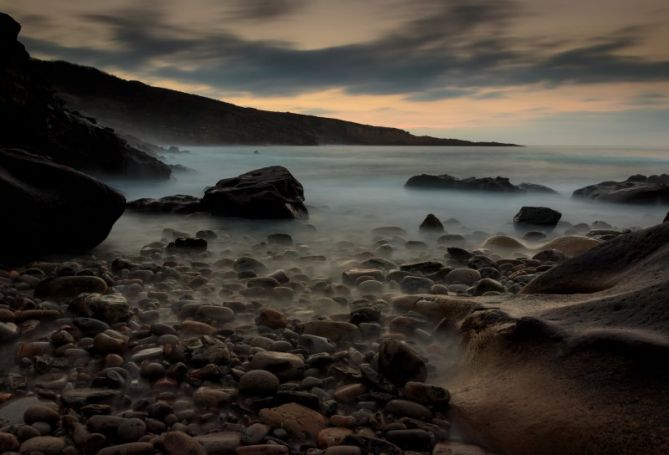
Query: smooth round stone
[(47, 445), (406, 408), (416, 284), (488, 285), (111, 342), (258, 383), (462, 276), (180, 443), (371, 287), (8, 442), (69, 286), (41, 413), (274, 319), (131, 429), (215, 312)]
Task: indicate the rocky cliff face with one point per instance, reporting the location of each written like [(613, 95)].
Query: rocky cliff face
[(35, 120), (168, 116)]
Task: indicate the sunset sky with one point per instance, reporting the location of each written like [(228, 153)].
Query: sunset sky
[(573, 72)]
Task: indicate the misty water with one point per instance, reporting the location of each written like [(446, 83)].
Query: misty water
[(350, 189)]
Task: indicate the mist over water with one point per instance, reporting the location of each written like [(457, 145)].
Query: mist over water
[(351, 189)]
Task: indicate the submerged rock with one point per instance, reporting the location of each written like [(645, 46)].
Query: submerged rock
[(432, 224)]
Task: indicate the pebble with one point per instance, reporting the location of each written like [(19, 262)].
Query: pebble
[(298, 420), (69, 286), (47, 445), (259, 383)]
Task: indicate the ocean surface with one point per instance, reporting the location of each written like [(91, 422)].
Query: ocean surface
[(350, 189)]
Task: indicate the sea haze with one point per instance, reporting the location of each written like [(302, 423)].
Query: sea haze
[(351, 189)]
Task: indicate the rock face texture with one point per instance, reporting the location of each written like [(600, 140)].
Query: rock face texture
[(50, 208), (33, 119), (271, 193), (638, 189), (492, 184), (603, 266)]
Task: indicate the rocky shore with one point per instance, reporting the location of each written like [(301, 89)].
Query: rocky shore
[(224, 342)]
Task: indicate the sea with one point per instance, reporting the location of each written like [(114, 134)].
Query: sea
[(352, 189)]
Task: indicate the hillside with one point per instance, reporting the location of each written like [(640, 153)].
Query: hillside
[(168, 116)]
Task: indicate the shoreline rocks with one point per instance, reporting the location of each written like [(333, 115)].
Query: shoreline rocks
[(637, 189), (267, 193), (490, 184)]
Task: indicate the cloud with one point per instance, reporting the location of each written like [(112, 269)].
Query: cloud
[(444, 49), (262, 10)]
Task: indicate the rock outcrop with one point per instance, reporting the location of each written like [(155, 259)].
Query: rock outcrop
[(605, 265), (271, 193), (50, 208), (492, 184), (34, 120), (638, 189)]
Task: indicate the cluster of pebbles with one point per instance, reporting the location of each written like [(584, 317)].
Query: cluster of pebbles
[(223, 344)]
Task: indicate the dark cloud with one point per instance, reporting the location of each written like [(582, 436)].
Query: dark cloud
[(259, 10), (453, 48)]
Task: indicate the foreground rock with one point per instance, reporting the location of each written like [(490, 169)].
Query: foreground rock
[(49, 208), (492, 184), (601, 267), (638, 189), (33, 119), (270, 192)]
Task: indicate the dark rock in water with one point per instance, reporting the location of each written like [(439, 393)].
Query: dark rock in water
[(187, 244), (179, 203), (400, 364), (601, 267), (49, 208), (270, 192), (35, 120), (537, 216), (459, 254), (431, 223), (492, 184), (638, 189), (666, 218), (536, 188)]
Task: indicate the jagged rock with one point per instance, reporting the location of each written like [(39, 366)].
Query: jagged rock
[(400, 364), (270, 192), (638, 189)]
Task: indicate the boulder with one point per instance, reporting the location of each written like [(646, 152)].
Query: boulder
[(50, 208), (537, 216), (638, 189), (270, 192), (492, 184)]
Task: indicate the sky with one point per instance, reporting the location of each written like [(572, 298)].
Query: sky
[(549, 72)]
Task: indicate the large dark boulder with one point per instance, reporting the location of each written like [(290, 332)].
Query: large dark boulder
[(537, 216), (638, 189), (33, 119), (270, 192), (491, 184), (49, 208)]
